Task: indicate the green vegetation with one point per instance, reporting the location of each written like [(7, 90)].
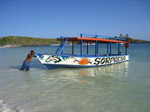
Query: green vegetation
[(26, 41), (30, 41), (133, 40), (136, 40)]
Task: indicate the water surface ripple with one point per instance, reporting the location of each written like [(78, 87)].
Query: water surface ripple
[(122, 87)]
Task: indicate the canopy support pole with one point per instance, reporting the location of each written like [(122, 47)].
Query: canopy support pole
[(87, 47), (119, 49), (126, 51), (96, 48), (110, 48), (81, 35), (72, 48), (81, 47), (63, 46)]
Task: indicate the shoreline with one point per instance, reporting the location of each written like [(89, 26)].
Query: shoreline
[(14, 46), (10, 46)]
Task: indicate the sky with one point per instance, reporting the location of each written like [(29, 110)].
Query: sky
[(54, 18)]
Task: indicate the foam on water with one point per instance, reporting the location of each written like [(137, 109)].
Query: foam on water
[(4, 108)]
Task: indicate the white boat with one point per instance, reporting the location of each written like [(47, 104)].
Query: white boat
[(59, 59)]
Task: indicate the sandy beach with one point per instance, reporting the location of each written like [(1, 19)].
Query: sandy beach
[(10, 46)]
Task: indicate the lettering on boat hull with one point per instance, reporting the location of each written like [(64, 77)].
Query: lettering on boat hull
[(109, 60), (81, 61)]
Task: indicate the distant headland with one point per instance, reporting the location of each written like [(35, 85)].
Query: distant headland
[(18, 41)]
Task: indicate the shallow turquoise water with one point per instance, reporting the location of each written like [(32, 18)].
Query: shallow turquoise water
[(123, 87)]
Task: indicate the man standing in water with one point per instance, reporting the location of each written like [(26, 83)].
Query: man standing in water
[(26, 63)]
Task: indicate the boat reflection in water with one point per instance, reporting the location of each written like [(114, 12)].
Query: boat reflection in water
[(86, 75), (116, 71)]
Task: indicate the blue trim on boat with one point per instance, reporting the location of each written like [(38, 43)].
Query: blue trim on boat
[(60, 46), (63, 46), (91, 35)]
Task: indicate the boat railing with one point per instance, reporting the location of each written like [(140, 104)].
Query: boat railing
[(98, 38), (102, 36), (62, 45)]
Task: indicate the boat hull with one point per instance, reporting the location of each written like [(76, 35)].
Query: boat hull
[(58, 61)]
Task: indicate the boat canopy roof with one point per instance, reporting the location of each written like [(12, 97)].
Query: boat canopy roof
[(94, 38)]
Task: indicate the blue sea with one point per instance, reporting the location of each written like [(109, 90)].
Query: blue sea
[(123, 87)]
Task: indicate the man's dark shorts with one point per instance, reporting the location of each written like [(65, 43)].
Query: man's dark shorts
[(26, 66)]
